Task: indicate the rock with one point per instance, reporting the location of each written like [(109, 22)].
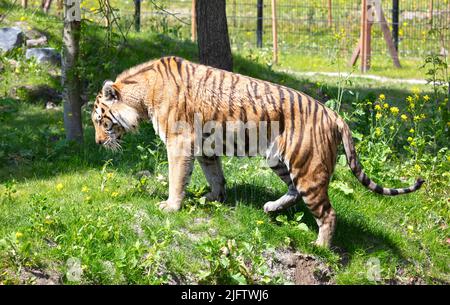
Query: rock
[(36, 42), (10, 38), (44, 55), (50, 105)]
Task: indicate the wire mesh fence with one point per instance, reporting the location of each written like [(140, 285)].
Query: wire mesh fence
[(312, 26), (304, 26)]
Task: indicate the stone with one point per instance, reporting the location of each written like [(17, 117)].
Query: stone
[(44, 55), (11, 38)]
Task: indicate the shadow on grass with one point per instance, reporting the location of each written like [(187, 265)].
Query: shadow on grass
[(350, 237)]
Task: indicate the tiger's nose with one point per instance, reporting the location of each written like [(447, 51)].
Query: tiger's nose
[(99, 141)]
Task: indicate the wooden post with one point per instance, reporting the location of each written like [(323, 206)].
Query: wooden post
[(363, 48), (193, 22), (363, 41), (274, 32), (430, 12), (330, 14)]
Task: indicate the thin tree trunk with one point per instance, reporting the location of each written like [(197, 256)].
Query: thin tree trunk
[(212, 34), (46, 5), (70, 80), (24, 3), (137, 15)]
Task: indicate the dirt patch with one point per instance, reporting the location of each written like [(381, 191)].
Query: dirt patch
[(39, 277), (298, 268), (311, 271)]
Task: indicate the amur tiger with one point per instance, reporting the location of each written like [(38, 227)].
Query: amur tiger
[(171, 89)]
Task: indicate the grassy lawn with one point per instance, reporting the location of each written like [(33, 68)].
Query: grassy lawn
[(64, 206)]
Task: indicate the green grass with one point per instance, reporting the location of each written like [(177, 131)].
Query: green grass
[(53, 207)]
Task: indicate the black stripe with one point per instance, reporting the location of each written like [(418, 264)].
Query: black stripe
[(291, 100), (393, 192), (378, 189)]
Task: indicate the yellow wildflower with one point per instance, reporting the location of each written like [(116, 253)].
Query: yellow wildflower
[(423, 116), (394, 110), (386, 105), (412, 105), (259, 222), (413, 143), (92, 9), (59, 186), (377, 107), (411, 130), (415, 90), (378, 116), (114, 194), (410, 139), (19, 235), (392, 128), (404, 117), (426, 98), (85, 189), (109, 175), (378, 131), (382, 97), (417, 167), (409, 99), (48, 220), (23, 18), (416, 118)]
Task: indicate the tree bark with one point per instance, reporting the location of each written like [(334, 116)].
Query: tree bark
[(70, 80), (46, 5), (212, 34), (137, 15), (24, 3)]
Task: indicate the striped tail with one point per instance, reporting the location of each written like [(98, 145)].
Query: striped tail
[(352, 160)]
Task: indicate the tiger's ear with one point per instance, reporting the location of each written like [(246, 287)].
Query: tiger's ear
[(110, 92)]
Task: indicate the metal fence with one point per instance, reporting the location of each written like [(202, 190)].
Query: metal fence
[(313, 26)]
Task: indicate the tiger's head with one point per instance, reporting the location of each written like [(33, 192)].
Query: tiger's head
[(112, 117)]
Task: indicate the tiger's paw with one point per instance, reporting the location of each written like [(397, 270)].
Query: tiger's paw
[(271, 206), (167, 206), (215, 197)]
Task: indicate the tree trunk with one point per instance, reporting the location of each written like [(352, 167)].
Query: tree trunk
[(70, 80), (212, 34), (137, 15), (24, 3), (46, 5)]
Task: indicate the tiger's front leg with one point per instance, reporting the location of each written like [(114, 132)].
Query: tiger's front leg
[(181, 163)]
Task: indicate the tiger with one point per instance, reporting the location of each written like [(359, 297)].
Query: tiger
[(303, 153)]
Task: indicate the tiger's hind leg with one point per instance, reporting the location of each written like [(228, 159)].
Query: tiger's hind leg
[(314, 190), (287, 199), (212, 168)]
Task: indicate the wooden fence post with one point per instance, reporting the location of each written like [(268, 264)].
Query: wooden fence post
[(365, 34), (274, 31), (193, 22), (330, 14)]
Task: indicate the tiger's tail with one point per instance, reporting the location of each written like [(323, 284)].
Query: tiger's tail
[(355, 166)]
